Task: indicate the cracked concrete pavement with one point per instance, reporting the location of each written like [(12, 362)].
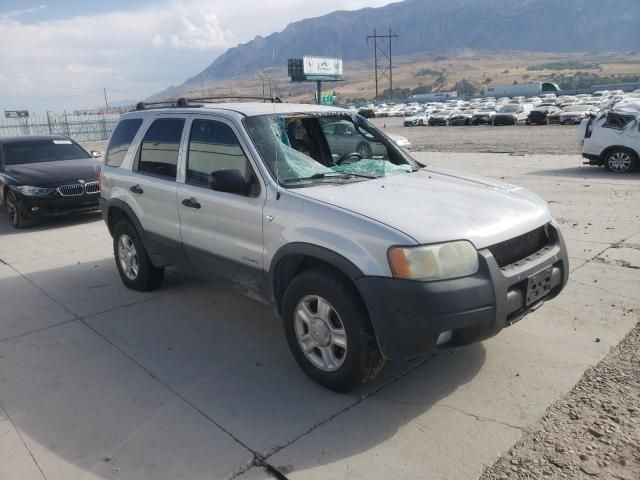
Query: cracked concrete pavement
[(194, 381)]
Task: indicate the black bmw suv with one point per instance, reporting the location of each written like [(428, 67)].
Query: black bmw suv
[(46, 175)]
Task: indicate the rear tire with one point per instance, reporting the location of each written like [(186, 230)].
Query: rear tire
[(321, 311), (135, 269), (14, 211), (619, 160)]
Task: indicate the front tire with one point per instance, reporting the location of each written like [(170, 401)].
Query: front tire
[(620, 161), (14, 210), (328, 330), (364, 150), (136, 270)]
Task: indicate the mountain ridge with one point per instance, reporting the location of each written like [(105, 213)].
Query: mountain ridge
[(432, 25)]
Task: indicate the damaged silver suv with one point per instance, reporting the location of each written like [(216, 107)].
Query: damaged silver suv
[(366, 254)]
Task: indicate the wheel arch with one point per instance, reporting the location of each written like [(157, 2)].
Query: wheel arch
[(610, 148), (294, 258), (117, 210)]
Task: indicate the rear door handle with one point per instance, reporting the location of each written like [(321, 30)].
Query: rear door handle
[(137, 189), (191, 203)]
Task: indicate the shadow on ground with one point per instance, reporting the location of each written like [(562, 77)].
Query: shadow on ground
[(153, 378), (48, 223), (587, 172)]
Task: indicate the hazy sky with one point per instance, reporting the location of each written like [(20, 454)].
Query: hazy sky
[(59, 54)]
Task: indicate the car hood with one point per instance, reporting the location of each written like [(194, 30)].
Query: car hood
[(53, 174), (434, 205)]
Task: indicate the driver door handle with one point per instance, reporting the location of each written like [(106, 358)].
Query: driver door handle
[(191, 203), (137, 189)]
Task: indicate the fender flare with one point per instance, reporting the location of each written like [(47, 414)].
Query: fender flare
[(604, 153), (129, 213), (309, 250)]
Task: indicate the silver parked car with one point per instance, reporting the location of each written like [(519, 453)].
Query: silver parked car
[(365, 254)]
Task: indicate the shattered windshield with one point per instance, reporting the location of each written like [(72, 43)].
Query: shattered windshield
[(304, 149)]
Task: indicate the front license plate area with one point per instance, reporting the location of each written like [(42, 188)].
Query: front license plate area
[(538, 285)]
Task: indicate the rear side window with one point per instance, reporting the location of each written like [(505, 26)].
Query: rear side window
[(159, 150), (121, 140)]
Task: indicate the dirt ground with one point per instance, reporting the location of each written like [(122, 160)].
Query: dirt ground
[(592, 432)]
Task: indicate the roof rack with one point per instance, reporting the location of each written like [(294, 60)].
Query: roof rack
[(198, 101)]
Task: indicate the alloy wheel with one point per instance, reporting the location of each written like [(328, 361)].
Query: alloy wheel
[(128, 257), (320, 333), (619, 162), (12, 210)]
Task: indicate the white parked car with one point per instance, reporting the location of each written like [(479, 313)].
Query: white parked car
[(419, 119), (612, 140), (399, 140)]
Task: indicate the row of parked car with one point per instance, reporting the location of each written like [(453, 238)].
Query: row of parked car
[(542, 110)]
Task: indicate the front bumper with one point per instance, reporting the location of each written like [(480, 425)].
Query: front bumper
[(571, 120), (538, 119), (504, 120), (53, 205), (457, 122), (409, 317), (484, 120)]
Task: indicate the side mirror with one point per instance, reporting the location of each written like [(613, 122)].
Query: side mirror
[(96, 154), (229, 181)]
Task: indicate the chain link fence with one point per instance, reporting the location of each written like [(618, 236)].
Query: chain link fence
[(81, 128)]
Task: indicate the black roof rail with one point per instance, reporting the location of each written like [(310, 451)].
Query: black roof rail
[(183, 102)]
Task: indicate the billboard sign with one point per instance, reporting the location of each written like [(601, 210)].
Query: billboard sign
[(16, 113), (322, 66)]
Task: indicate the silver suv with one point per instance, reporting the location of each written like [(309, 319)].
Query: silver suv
[(364, 253)]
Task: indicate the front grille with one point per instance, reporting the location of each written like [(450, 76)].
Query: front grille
[(71, 190), (92, 187), (78, 189), (519, 248)]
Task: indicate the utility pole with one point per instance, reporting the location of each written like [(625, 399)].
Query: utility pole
[(390, 66), (104, 89), (375, 57), (380, 71)]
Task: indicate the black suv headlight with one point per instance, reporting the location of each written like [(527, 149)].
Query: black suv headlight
[(29, 191)]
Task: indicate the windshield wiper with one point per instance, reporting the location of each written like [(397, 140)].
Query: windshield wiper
[(320, 176)]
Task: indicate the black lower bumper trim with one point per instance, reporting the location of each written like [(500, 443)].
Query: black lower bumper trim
[(408, 317)]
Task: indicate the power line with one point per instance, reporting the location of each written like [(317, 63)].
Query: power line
[(380, 70)]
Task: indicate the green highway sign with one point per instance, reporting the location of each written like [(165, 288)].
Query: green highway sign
[(327, 99)]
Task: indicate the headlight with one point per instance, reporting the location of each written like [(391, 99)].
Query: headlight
[(34, 191), (434, 262)]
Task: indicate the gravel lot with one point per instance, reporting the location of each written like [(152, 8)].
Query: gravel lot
[(594, 431), (522, 139)]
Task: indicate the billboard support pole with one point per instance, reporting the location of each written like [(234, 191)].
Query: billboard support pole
[(319, 92)]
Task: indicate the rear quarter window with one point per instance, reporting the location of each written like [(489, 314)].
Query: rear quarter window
[(121, 140)]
